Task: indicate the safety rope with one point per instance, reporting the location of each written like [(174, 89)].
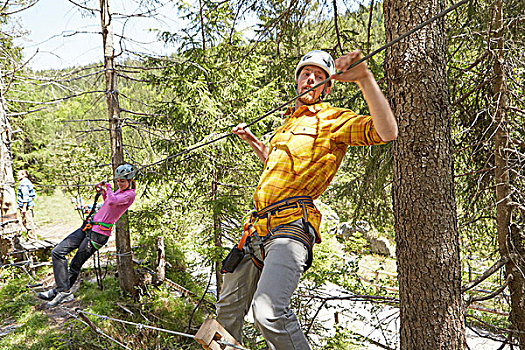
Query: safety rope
[(373, 53), (96, 329), (140, 326), (228, 134)]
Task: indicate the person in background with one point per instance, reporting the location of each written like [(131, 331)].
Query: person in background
[(92, 236), (25, 202)]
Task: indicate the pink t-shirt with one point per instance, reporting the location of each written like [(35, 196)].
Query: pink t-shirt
[(115, 204)]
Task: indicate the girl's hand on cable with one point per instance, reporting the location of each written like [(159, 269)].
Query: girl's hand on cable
[(100, 187), (355, 74)]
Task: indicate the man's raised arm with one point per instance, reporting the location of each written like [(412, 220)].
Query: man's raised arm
[(382, 116)]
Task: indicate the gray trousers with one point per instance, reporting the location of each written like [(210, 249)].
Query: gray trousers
[(66, 276), (269, 292)]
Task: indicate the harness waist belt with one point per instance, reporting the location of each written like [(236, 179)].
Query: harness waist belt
[(283, 204), (103, 224), (301, 234)]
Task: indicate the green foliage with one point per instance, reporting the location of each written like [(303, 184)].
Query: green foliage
[(471, 72), (343, 339), (31, 328), (218, 78)]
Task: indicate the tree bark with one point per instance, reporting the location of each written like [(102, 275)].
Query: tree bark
[(7, 181), (127, 276), (429, 269), (10, 228), (510, 243), (217, 234)]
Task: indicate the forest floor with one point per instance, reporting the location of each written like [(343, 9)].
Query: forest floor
[(56, 217)]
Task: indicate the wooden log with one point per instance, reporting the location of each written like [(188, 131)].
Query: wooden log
[(210, 332)]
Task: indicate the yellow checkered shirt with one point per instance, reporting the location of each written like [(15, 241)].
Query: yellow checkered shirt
[(304, 155)]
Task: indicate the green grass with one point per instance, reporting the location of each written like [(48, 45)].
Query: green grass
[(55, 209), (18, 308), (36, 331)]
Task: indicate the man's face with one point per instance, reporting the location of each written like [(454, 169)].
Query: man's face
[(308, 77)]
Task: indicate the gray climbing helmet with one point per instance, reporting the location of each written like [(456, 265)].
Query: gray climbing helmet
[(318, 58), (125, 171)]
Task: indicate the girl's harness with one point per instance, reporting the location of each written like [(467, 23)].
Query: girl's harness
[(88, 223)]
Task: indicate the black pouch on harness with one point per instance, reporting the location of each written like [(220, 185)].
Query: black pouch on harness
[(232, 260)]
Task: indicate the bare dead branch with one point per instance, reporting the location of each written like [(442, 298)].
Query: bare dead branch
[(491, 270), (15, 70), (4, 7), (82, 120), (92, 10), (471, 91), (369, 29), (25, 113), (55, 101), (495, 293), (20, 9), (143, 114), (500, 330), (127, 77), (338, 35)]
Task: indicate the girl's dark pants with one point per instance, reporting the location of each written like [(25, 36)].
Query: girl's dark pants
[(65, 277)]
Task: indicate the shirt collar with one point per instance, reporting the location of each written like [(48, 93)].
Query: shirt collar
[(312, 108)]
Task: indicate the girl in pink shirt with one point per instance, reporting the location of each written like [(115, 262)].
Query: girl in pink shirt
[(92, 236)]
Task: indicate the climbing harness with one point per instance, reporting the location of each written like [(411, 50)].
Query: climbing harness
[(103, 226), (301, 234), (88, 224)]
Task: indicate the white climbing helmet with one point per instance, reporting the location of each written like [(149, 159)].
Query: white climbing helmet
[(125, 171), (319, 58)]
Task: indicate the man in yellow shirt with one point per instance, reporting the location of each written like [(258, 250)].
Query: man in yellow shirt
[(301, 160)]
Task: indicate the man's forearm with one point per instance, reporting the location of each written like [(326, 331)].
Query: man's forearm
[(382, 116), (259, 148)]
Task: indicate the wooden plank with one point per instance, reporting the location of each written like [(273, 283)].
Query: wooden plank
[(50, 242), (37, 245), (8, 218), (42, 244), (28, 246), (9, 232), (211, 331), (46, 244)]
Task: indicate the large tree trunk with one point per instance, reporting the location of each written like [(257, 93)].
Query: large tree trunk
[(217, 234), (7, 181), (429, 269), (127, 277), (509, 242), (8, 220)]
